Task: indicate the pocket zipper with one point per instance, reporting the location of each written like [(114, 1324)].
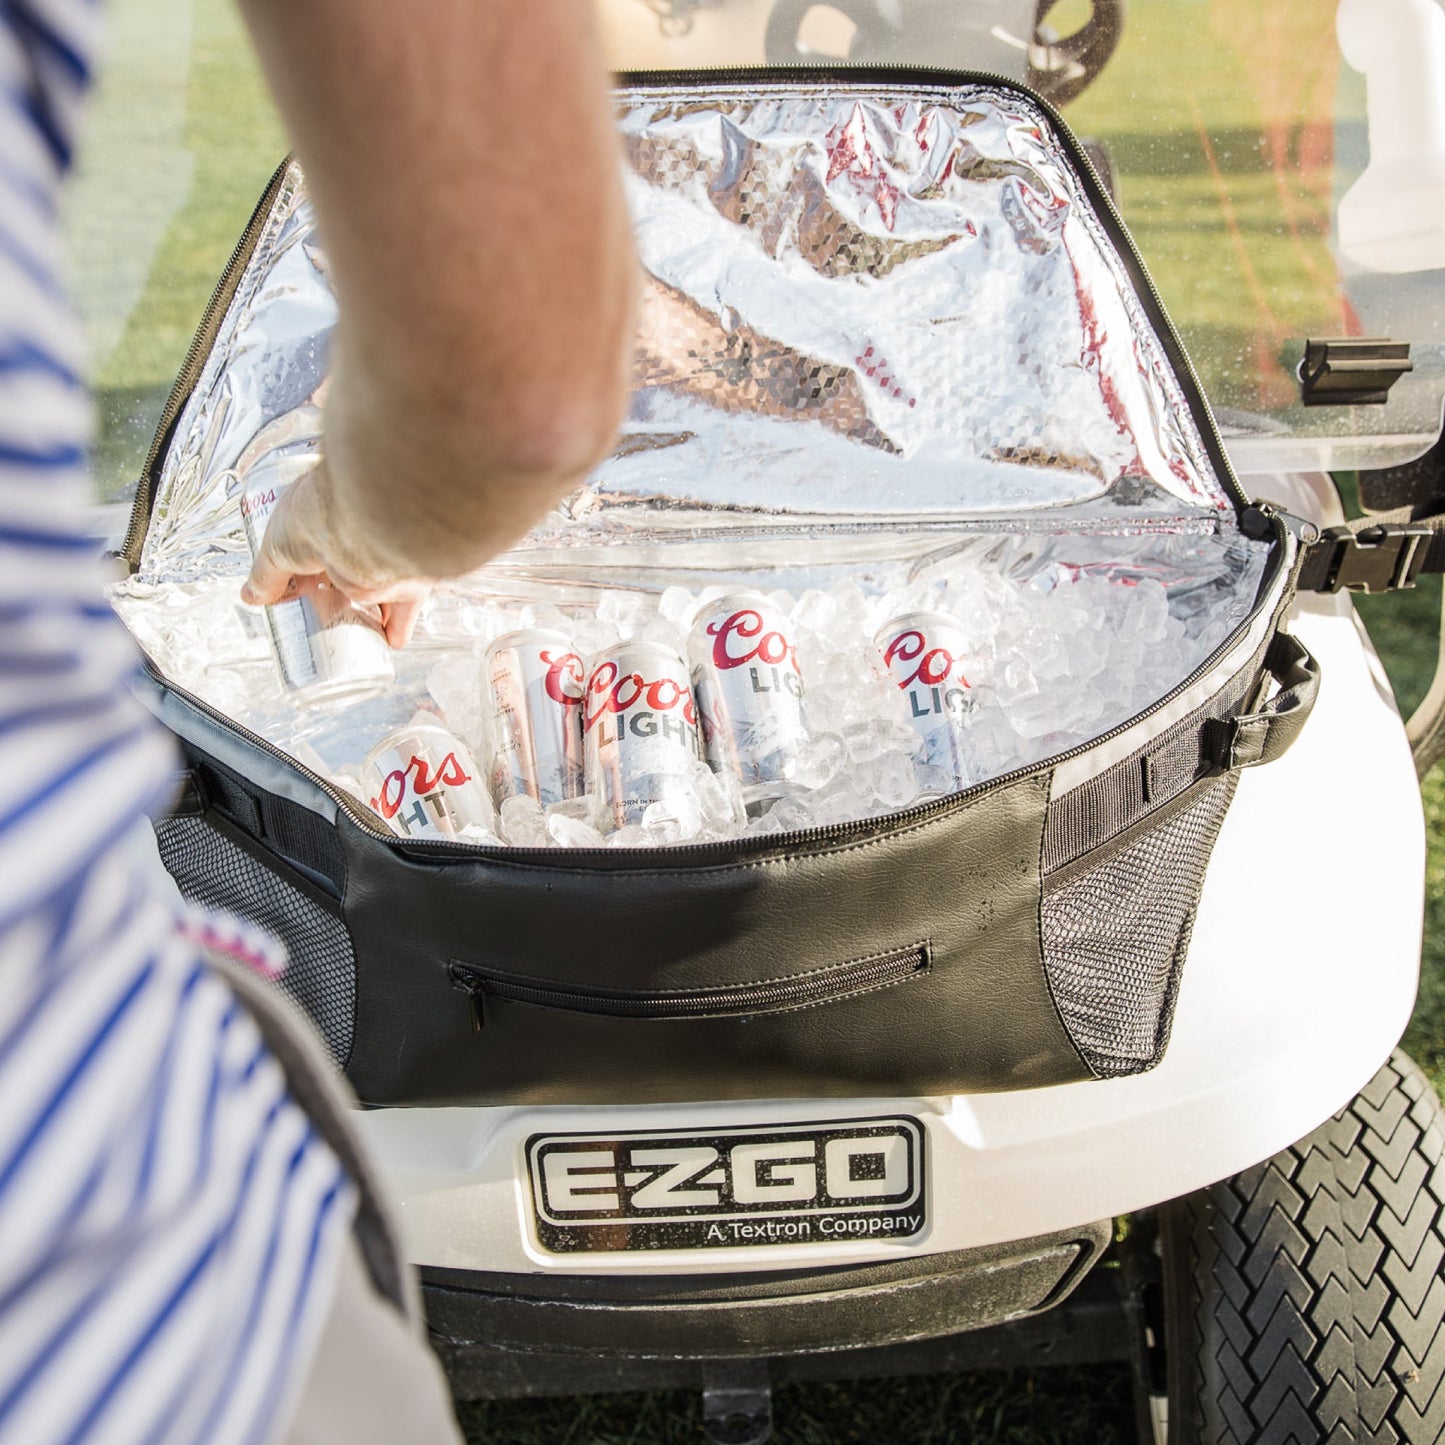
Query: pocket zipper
[(825, 985)]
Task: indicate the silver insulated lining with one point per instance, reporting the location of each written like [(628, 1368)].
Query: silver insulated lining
[(916, 283), (856, 306), (888, 361)]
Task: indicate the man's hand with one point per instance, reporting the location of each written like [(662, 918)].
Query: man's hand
[(467, 181), (305, 539)]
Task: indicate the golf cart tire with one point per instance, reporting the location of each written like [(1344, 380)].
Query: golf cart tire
[(1304, 1299)]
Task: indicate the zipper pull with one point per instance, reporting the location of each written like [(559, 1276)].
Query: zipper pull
[(1257, 523), (465, 981)]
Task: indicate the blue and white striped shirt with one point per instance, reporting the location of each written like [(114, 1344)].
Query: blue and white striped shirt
[(169, 1222)]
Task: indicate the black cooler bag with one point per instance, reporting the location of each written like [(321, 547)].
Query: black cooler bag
[(891, 329)]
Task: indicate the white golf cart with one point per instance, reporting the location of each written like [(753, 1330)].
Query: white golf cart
[(1272, 1195)]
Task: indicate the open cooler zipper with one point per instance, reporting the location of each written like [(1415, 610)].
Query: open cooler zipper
[(1255, 518), (1265, 517)]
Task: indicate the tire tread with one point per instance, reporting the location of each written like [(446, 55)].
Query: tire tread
[(1310, 1288)]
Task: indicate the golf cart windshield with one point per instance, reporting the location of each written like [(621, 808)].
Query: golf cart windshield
[(1281, 167)]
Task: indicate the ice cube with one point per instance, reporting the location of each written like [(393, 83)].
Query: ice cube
[(522, 822), (792, 813), (935, 781), (569, 832), (666, 634), (895, 781), (677, 605), (592, 635), (547, 617), (818, 761), (813, 612), (719, 799), (673, 821)]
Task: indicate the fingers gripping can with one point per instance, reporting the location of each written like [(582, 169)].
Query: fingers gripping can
[(423, 783), (532, 680), (749, 691), (925, 653), (325, 645), (640, 732)]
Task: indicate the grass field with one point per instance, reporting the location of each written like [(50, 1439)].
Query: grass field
[(1225, 152)]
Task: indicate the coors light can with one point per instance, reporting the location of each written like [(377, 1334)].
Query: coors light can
[(423, 783), (532, 681), (925, 652), (325, 645), (749, 692), (640, 732)]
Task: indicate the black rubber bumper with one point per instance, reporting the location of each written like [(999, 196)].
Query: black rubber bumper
[(759, 1315)]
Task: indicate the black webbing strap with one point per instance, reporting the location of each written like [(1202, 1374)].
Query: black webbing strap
[(1139, 788), (286, 828), (1263, 736), (1379, 553)]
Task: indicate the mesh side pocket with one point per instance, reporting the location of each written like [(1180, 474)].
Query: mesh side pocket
[(1115, 937), (321, 977)]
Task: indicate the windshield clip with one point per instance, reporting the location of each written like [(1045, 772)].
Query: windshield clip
[(1352, 371)]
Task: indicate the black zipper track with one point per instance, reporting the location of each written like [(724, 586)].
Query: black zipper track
[(861, 78), (194, 362), (772, 997), (730, 849)]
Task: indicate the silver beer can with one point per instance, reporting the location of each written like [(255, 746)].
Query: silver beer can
[(925, 653), (423, 783), (325, 645), (532, 684), (640, 732), (749, 691)]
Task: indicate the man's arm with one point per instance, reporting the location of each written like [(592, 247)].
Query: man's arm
[(465, 171)]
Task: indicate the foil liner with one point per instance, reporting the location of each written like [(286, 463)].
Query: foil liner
[(860, 305), (888, 360)]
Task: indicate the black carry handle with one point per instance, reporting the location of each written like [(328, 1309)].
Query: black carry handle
[(1263, 736)]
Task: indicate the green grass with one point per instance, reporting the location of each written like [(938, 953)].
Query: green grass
[(994, 1407), (232, 140), (1242, 287)]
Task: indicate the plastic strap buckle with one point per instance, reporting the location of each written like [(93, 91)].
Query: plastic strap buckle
[(1375, 559)]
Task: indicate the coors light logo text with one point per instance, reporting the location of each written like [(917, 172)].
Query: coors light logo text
[(563, 681), (931, 676), (744, 640), (418, 782), (258, 501), (635, 705)]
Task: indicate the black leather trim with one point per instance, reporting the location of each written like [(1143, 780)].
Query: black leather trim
[(967, 879), (733, 1316)]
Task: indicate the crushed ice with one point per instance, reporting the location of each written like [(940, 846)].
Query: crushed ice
[(1058, 654)]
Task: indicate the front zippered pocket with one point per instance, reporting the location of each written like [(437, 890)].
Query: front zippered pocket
[(771, 995)]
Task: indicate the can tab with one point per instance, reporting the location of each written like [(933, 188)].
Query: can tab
[(1352, 371), (1374, 559)]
